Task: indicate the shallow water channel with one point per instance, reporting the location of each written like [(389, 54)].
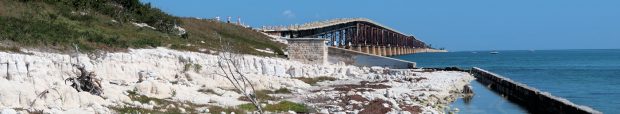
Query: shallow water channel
[(486, 101)]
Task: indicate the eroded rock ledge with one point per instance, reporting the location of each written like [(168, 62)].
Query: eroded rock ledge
[(177, 81)]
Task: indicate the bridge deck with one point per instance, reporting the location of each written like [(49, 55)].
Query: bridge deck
[(326, 23)]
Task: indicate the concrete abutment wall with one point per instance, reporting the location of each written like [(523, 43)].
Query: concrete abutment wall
[(307, 50), (357, 58)]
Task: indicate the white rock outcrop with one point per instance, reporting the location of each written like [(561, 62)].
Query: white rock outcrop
[(36, 81)]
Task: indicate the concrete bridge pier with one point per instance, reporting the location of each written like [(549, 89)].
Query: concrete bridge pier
[(385, 51), (395, 50), (381, 50), (388, 51), (373, 50), (408, 50), (366, 49), (378, 50)]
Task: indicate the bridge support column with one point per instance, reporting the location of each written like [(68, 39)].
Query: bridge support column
[(405, 50), (383, 51), (366, 49), (379, 51), (402, 50), (373, 50), (388, 51), (358, 48), (408, 50), (396, 51)]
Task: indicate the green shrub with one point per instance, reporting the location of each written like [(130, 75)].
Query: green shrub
[(286, 106), (313, 81), (283, 90), (146, 42), (281, 106), (197, 68)]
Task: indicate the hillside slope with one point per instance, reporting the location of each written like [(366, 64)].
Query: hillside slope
[(111, 25)]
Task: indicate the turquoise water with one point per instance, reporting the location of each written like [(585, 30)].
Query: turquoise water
[(585, 77)]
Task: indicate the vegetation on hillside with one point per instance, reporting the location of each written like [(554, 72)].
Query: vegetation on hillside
[(108, 25)]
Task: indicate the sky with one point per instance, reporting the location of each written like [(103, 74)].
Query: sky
[(457, 25)]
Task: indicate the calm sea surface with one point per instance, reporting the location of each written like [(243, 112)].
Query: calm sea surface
[(585, 77)]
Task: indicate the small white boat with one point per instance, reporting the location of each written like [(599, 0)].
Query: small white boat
[(494, 52)]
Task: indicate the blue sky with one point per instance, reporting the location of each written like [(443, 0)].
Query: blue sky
[(456, 25)]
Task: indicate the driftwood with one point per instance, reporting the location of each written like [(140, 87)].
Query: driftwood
[(85, 80)]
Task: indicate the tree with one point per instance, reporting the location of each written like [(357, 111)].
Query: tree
[(229, 62)]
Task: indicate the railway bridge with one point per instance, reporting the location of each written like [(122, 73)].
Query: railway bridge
[(358, 34)]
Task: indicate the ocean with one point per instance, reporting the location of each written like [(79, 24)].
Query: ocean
[(585, 77)]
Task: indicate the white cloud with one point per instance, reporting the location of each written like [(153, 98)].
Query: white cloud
[(288, 13)]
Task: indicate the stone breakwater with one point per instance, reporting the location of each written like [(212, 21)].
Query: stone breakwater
[(35, 82)]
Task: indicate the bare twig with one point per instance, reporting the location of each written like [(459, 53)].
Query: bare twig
[(228, 61)]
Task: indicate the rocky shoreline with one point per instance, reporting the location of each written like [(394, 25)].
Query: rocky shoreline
[(162, 79)]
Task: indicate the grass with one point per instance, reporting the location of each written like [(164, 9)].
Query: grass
[(313, 81), (243, 39), (14, 49), (281, 106), (161, 107), (263, 95), (54, 26), (282, 90), (218, 109)]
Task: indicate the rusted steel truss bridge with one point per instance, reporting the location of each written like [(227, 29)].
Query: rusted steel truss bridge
[(359, 34)]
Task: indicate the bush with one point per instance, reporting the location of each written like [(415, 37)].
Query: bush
[(313, 81), (146, 42), (286, 106), (282, 106)]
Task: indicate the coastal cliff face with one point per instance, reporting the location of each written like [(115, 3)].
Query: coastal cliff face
[(35, 81)]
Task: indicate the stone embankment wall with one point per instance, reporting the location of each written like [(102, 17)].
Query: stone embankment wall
[(357, 58), (534, 100), (307, 50)]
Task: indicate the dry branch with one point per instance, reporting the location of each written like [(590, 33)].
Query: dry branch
[(228, 62), (86, 81)]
